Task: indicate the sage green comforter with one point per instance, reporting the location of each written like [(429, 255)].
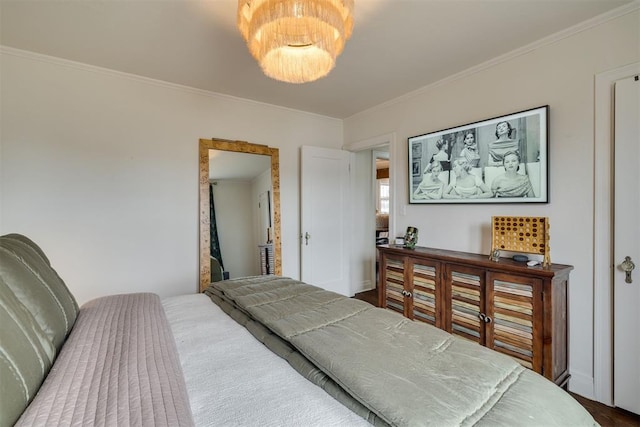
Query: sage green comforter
[(403, 373)]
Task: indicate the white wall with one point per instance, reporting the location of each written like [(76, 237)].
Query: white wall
[(101, 169), (561, 74), (235, 218)]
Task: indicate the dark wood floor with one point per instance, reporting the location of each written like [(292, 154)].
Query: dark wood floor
[(603, 414)]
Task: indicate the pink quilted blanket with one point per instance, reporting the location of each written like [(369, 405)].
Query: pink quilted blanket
[(119, 366)]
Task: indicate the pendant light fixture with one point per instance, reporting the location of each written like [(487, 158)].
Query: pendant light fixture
[(295, 41)]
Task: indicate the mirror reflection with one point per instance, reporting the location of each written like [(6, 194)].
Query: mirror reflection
[(239, 210)]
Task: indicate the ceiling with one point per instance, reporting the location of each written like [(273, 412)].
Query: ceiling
[(397, 46)]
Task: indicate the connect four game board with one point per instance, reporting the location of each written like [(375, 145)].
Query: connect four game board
[(528, 234)]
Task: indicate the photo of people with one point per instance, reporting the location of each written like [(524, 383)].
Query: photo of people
[(500, 160), (431, 186)]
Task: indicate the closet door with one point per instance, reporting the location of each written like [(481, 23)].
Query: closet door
[(465, 302), (514, 318), (626, 292)]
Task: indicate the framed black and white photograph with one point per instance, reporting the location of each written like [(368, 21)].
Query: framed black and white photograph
[(498, 160), (416, 168), (416, 150)]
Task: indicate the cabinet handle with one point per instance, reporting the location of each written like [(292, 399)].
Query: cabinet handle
[(409, 294), (485, 318), (404, 293)]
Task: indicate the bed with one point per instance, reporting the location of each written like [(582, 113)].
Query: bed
[(388, 369), (259, 351)]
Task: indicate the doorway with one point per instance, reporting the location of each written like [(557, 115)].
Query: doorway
[(382, 191), (365, 202)]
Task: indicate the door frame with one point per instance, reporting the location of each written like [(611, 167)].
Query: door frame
[(375, 191), (603, 236), (371, 143)]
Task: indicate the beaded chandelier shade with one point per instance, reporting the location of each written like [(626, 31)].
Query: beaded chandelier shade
[(295, 41)]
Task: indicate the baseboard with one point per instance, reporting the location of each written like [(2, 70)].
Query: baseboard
[(364, 286), (582, 384)]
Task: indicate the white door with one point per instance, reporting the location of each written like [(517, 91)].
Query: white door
[(325, 218), (626, 352)]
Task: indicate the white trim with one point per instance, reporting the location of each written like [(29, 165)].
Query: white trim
[(370, 144), (365, 286), (582, 384), (376, 141), (553, 38), (603, 249), (5, 50)]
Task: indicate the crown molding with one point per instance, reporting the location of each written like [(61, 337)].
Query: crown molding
[(34, 56), (546, 41)]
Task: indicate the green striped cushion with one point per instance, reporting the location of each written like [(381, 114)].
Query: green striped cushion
[(37, 312)]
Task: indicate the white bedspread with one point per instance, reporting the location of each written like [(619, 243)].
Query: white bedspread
[(234, 380)]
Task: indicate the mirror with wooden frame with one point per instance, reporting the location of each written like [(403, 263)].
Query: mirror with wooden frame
[(205, 221)]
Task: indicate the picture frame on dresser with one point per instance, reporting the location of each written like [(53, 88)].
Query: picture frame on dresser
[(503, 159)]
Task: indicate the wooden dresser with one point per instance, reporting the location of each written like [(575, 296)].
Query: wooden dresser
[(505, 305)]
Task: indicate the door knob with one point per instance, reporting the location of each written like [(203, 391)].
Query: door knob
[(307, 236), (627, 266)]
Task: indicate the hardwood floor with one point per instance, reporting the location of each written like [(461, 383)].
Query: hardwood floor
[(603, 414), (369, 296), (607, 416)]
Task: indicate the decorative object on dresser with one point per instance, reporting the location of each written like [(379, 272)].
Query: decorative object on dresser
[(411, 237), (504, 305), (527, 234)]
